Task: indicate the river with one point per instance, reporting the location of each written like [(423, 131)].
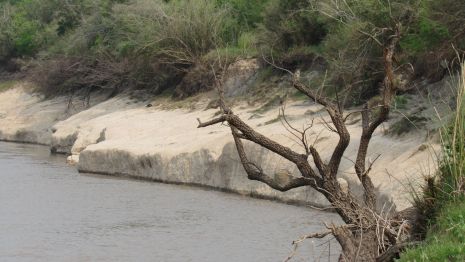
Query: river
[(50, 212)]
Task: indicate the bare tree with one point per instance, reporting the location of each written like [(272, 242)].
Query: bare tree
[(369, 234)]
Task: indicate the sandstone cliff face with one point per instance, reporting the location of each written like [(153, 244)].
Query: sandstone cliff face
[(28, 118), (166, 146), (121, 137)]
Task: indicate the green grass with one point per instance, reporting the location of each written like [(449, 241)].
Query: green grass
[(446, 239), (7, 85), (400, 102)]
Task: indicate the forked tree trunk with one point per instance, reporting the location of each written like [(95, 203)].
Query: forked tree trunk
[(368, 232)]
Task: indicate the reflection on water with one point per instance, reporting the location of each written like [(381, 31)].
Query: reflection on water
[(48, 212)]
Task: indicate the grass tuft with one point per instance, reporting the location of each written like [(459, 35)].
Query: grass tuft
[(7, 85)]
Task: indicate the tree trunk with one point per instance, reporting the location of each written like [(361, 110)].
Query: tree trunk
[(363, 246), (367, 231)]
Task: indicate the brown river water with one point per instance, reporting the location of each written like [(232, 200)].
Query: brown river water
[(50, 212)]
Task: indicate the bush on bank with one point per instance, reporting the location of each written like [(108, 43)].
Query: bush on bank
[(153, 44)]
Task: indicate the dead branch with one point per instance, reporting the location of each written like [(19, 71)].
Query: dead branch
[(296, 243), (218, 120), (369, 127), (254, 172), (372, 232)]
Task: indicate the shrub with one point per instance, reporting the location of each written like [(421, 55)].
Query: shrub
[(290, 24), (181, 35), (426, 35), (354, 44), (71, 74), (198, 79), (433, 40), (6, 31), (27, 38), (451, 15), (244, 17), (178, 32)]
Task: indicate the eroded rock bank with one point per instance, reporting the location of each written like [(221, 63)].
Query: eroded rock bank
[(122, 137), (27, 117)]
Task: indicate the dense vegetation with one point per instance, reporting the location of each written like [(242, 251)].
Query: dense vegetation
[(160, 44)]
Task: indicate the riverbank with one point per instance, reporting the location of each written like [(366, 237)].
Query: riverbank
[(160, 142)]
